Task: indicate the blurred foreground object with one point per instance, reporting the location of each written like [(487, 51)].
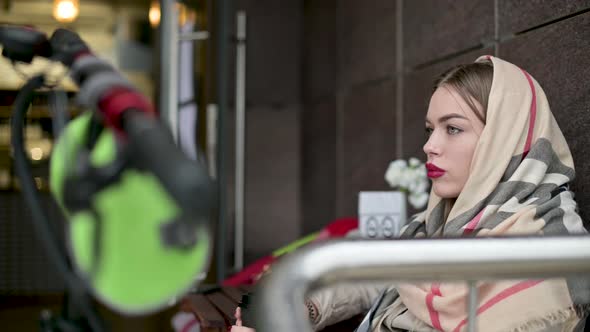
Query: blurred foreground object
[(138, 208)]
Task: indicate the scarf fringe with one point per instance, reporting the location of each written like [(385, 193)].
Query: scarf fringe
[(582, 310), (551, 319)]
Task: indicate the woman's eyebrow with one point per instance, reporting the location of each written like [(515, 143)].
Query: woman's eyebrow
[(447, 117)]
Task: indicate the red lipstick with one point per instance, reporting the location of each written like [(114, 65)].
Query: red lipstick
[(434, 171)]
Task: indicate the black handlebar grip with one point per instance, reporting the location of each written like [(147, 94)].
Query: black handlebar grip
[(152, 147), (66, 45), (23, 44)]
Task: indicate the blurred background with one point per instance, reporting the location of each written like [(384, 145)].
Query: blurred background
[(335, 90)]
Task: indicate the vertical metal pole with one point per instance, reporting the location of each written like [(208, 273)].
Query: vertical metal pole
[(169, 65), (472, 307), (222, 22), (212, 114), (240, 137)]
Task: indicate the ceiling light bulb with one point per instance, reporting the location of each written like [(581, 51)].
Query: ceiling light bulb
[(66, 10), (154, 14)]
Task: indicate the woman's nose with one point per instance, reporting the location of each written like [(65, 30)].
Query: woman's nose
[(431, 146)]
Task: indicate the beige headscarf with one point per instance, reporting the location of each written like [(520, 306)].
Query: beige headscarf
[(518, 184)]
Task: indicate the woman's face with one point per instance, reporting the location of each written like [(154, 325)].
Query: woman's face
[(453, 131)]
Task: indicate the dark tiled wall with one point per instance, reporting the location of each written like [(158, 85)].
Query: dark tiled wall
[(434, 29), (319, 115), (361, 59), (380, 90), (516, 16), (319, 49), (366, 141), (273, 127), (272, 179), (272, 184), (357, 94), (273, 51), (318, 164)]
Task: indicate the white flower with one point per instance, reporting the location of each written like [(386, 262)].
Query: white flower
[(415, 162), (418, 200), (422, 170), (394, 173), (406, 178), (413, 180), (419, 185), (417, 174), (400, 163), (409, 177)]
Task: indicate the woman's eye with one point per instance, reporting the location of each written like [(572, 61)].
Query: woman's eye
[(453, 130), (428, 131)]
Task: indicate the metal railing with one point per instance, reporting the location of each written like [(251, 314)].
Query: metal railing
[(281, 297)]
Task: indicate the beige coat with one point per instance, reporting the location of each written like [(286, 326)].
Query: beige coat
[(343, 301)]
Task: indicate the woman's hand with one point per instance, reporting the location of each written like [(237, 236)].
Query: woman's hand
[(238, 327)]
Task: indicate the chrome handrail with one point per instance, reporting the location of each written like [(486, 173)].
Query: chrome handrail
[(279, 304)]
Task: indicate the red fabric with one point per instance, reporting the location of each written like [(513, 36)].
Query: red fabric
[(434, 318), (339, 228), (120, 99), (251, 273), (473, 223), (81, 54), (501, 296)]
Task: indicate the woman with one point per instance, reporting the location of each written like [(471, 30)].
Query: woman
[(499, 165)]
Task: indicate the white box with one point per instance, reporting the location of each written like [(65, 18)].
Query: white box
[(381, 214)]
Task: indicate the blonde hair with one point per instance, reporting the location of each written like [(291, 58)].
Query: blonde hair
[(471, 81)]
